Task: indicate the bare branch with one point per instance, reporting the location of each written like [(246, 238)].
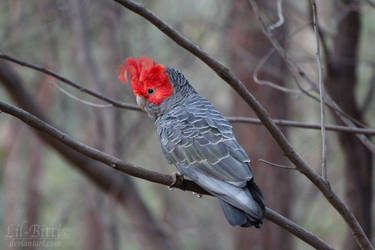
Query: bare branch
[(263, 115), (129, 106), (347, 119), (146, 174), (71, 83), (321, 90), (268, 83), (280, 16), (275, 164), (286, 123), (67, 93)]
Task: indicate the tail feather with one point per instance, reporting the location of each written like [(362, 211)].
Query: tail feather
[(237, 217)]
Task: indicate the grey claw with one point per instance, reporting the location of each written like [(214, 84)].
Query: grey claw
[(178, 179)]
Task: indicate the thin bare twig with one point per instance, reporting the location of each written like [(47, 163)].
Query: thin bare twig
[(321, 90), (347, 119), (296, 124), (67, 93), (276, 165), (262, 61), (71, 83), (263, 115), (146, 174), (268, 83), (280, 16)]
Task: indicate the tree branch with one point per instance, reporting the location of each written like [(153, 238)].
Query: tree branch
[(347, 119), (321, 89), (134, 107), (287, 123), (146, 174), (263, 115), (71, 83)]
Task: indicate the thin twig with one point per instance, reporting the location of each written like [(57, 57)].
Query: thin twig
[(276, 165), (286, 123), (260, 111), (291, 61), (280, 16), (321, 90), (268, 83), (347, 119), (263, 60), (67, 93), (146, 174), (71, 83)]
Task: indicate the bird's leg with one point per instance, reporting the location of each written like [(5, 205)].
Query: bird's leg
[(178, 179)]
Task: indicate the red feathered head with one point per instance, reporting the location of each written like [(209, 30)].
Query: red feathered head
[(148, 79)]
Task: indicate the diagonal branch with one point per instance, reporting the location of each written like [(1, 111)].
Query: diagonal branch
[(347, 119), (146, 174), (70, 83), (263, 115)]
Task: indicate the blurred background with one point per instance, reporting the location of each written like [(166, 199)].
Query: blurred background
[(89, 206)]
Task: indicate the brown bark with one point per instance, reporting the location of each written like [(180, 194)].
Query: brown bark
[(109, 180), (249, 45), (340, 83), (93, 221), (11, 188), (34, 173), (33, 195)]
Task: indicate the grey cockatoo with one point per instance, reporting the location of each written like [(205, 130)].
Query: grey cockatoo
[(196, 138)]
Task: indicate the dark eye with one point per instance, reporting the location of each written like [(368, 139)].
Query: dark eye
[(150, 91)]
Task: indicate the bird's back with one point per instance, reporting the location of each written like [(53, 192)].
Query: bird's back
[(199, 141)]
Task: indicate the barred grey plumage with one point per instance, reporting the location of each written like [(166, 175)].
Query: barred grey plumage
[(199, 141)]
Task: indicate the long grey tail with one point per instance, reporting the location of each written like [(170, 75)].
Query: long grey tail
[(237, 217)]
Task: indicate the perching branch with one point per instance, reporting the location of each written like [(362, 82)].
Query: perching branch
[(146, 174), (263, 115), (134, 107)]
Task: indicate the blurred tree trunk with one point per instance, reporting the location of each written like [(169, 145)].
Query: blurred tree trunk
[(340, 83), (12, 170), (94, 220), (248, 45), (34, 173), (33, 195)]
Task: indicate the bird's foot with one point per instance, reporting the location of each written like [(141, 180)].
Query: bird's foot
[(178, 179)]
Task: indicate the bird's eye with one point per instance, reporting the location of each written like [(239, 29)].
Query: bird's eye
[(150, 91)]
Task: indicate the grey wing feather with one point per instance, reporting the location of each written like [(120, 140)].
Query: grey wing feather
[(198, 139)]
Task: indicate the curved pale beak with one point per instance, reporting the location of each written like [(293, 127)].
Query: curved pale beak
[(141, 101)]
